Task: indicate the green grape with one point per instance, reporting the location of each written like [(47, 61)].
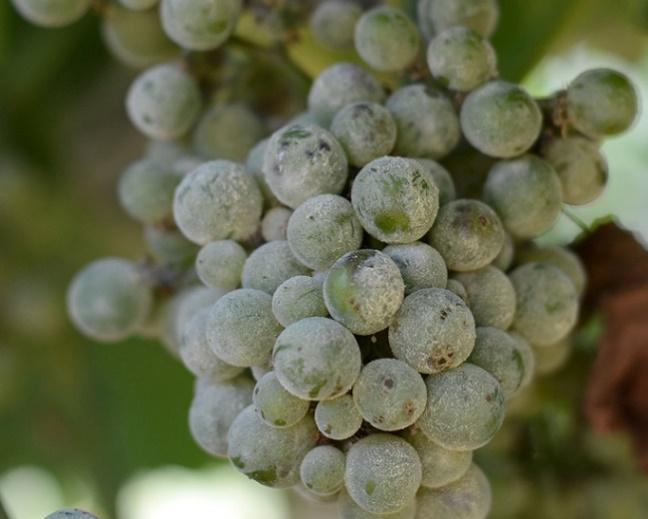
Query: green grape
[(386, 39), (298, 298), (52, 13), (320, 501), (461, 59), (241, 329), (254, 166), (364, 290), (440, 466), (259, 371), (348, 509), (322, 470), (396, 199), (316, 359), (304, 161), (199, 24), (528, 359), (304, 118), (526, 194), (438, 15), (468, 234), (504, 259), (491, 296), (217, 201), (266, 454), (219, 264), (276, 406), (228, 132), (214, 408), (428, 126), (333, 23), (465, 408), (442, 179), (433, 331), (339, 85), (420, 265), (552, 357), (383, 473), (602, 102), (338, 418), (270, 265), (168, 246), (458, 289), (547, 303), (467, 498), (501, 120), (163, 102), (389, 394), (109, 299), (274, 226), (166, 150), (137, 5), (366, 130), (559, 257), (322, 229), (581, 167), (71, 513)]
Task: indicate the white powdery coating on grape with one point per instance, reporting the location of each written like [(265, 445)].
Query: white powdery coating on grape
[(320, 501), (241, 328), (217, 201), (505, 258), (322, 470), (364, 290), (383, 473), (559, 257), (465, 408), (479, 15), (298, 298), (428, 125), (491, 296), (442, 179), (339, 85), (163, 102), (433, 331), (458, 289), (396, 199), (339, 418), (348, 509), (547, 303), (500, 119), (52, 13), (322, 229), (270, 265), (168, 246), (333, 23), (316, 359), (266, 454), (71, 513), (389, 394), (213, 410), (468, 234), (254, 167), (302, 161), (420, 265), (528, 359), (274, 225), (468, 498), (199, 24), (276, 406), (552, 357), (259, 371), (219, 264)]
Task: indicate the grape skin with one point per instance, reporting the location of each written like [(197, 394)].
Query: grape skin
[(219, 264), (338, 418), (442, 179), (254, 167), (348, 509), (505, 258), (270, 265), (528, 359), (276, 406), (52, 13), (274, 225), (458, 289), (138, 4), (559, 257), (552, 357), (298, 298), (169, 246), (420, 265), (71, 513), (322, 470), (479, 15), (333, 23)]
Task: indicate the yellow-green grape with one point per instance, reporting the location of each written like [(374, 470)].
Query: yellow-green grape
[(228, 131), (504, 259), (602, 102), (491, 296), (547, 303), (137, 5), (501, 120), (219, 264), (259, 371), (433, 331), (316, 359), (274, 225), (338, 418), (560, 257), (526, 194), (217, 201), (163, 102), (468, 498), (303, 161), (427, 123), (468, 234), (322, 470), (465, 408), (169, 246), (276, 406), (266, 454), (52, 13), (333, 23), (71, 513), (461, 59), (442, 179), (389, 394), (386, 39), (214, 408), (364, 290), (270, 265), (528, 359), (298, 298), (396, 199), (437, 15), (348, 509), (318, 500), (322, 229), (241, 328), (420, 265), (383, 473), (552, 357), (339, 85), (254, 166), (458, 289), (440, 466)]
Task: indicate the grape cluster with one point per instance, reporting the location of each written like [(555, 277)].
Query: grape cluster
[(355, 310)]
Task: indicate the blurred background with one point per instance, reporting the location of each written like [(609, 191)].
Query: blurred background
[(104, 427)]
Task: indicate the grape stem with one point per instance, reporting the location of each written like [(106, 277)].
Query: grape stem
[(577, 221)]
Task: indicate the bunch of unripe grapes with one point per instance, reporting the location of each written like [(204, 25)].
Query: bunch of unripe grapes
[(356, 288)]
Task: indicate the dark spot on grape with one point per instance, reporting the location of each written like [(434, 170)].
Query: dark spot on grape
[(483, 220), (388, 383), (444, 315)]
